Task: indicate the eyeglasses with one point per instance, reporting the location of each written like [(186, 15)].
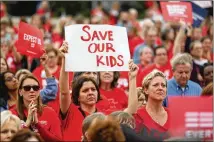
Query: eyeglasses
[(10, 78), (28, 87)]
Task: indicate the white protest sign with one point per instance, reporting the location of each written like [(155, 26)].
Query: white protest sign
[(96, 48), (203, 4)]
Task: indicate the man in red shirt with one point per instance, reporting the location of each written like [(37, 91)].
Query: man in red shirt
[(161, 63)]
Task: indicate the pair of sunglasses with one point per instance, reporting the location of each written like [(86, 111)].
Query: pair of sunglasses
[(28, 87)]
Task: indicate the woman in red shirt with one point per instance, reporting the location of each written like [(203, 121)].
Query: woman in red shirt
[(152, 121), (85, 95), (108, 87), (33, 113)]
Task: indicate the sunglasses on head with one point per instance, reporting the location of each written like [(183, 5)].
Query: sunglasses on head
[(28, 87)]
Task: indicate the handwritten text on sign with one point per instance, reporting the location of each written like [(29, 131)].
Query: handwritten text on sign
[(103, 48)]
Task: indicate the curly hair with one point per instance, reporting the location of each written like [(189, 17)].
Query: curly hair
[(105, 130)]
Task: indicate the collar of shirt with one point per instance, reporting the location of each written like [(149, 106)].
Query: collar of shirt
[(178, 86)]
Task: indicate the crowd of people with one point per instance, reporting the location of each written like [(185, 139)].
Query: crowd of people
[(40, 101)]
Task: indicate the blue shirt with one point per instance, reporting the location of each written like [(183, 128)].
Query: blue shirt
[(174, 89)]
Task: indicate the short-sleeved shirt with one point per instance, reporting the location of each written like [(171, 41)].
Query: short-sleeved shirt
[(148, 128), (72, 124)]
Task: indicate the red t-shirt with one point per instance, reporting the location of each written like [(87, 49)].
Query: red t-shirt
[(49, 125), (133, 42), (72, 124), (11, 62), (148, 128), (123, 81), (167, 70), (116, 97)]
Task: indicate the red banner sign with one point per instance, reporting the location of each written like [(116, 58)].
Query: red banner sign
[(191, 117), (30, 41), (176, 11)]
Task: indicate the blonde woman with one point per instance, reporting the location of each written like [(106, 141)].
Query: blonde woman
[(10, 124), (152, 120)]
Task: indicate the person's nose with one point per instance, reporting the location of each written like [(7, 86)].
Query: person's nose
[(9, 135)]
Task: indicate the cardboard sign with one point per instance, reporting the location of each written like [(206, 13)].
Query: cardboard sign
[(30, 40), (203, 4), (96, 48), (199, 14), (191, 117), (176, 11)]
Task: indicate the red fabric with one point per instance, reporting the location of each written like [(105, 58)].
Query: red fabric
[(11, 62), (116, 97), (204, 30), (48, 125), (145, 124), (170, 51), (72, 124), (167, 70), (133, 42), (40, 11), (141, 68), (103, 106), (56, 37), (123, 81)]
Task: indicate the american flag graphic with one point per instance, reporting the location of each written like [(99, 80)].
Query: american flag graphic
[(199, 120)]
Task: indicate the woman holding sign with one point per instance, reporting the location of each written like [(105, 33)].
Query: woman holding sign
[(85, 95), (33, 113)]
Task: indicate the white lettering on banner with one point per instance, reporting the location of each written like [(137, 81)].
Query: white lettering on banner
[(176, 10), (32, 39), (198, 133), (196, 119)]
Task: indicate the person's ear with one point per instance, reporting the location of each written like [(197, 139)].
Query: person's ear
[(20, 93)]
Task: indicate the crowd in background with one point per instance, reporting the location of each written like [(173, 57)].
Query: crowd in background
[(174, 57)]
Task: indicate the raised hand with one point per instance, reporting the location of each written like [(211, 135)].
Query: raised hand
[(44, 59), (133, 69), (64, 48)]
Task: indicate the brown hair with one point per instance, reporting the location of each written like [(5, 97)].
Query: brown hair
[(105, 130), (124, 118), (24, 134), (115, 79), (20, 102), (208, 90), (50, 48)]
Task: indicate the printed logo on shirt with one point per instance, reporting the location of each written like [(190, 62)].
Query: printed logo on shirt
[(43, 122)]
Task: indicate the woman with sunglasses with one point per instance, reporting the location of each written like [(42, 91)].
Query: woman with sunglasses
[(85, 94), (33, 113), (9, 85)]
